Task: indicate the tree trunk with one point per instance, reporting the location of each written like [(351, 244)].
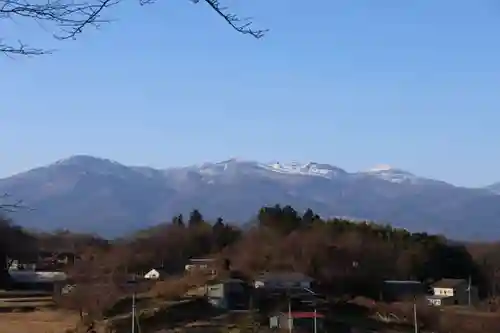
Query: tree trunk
[(5, 280)]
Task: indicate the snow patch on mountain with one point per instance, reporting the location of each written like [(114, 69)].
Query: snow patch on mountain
[(236, 167), (398, 176), (393, 175), (307, 169)]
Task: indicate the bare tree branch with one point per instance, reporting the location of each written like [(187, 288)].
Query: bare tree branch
[(20, 49), (70, 17), (241, 25), (7, 205)]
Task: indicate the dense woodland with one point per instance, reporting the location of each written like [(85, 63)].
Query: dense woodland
[(346, 258)]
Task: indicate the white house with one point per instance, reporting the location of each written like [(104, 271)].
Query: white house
[(282, 280), (155, 274)]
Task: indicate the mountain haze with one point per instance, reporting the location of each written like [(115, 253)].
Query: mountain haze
[(84, 193)]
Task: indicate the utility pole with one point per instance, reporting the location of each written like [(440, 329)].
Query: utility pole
[(133, 282), (468, 290), (251, 311), (415, 315), (315, 309), (133, 312), (315, 320), (290, 320)]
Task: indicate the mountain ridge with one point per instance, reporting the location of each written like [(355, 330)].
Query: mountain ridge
[(381, 170), (86, 193)]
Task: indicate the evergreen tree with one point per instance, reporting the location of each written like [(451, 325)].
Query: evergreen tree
[(178, 220), (195, 218), (308, 218)]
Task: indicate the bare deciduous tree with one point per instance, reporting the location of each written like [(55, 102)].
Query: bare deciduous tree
[(95, 279), (68, 18)]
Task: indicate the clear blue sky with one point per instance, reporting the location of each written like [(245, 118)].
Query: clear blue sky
[(413, 84)]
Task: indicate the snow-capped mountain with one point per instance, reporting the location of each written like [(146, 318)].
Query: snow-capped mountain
[(85, 193)]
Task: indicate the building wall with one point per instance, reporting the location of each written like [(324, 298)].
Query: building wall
[(434, 301), (228, 294), (216, 290), (285, 322), (402, 290), (444, 292), (274, 322)]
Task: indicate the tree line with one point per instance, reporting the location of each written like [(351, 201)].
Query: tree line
[(345, 257), (332, 251), (281, 239)]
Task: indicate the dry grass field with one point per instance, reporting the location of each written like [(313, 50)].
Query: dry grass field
[(37, 322)]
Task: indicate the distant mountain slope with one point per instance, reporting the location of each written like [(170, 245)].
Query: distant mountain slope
[(494, 188), (89, 194)]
